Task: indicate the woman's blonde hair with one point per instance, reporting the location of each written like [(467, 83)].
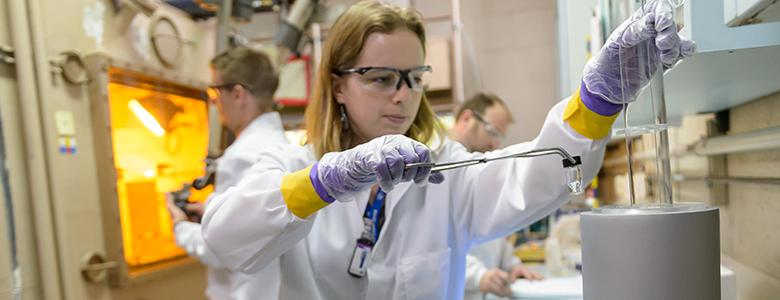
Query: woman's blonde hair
[(342, 47)]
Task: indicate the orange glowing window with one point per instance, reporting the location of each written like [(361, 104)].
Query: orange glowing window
[(159, 142)]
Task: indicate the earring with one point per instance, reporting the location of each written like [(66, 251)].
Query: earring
[(344, 121)]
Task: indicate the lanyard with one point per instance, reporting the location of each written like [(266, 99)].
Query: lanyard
[(373, 219), (375, 214)]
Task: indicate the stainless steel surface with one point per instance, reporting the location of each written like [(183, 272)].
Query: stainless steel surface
[(649, 209), (650, 252)]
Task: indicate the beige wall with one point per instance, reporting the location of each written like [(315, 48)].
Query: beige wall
[(750, 223), (509, 49)]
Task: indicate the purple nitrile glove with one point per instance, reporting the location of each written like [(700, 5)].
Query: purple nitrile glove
[(650, 28), (380, 160)]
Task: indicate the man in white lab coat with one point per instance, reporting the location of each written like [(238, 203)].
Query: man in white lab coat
[(243, 83), (480, 125)]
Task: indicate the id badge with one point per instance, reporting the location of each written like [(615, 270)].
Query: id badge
[(359, 262)]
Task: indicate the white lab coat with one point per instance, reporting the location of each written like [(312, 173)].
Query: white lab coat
[(484, 257), (421, 252), (263, 132)]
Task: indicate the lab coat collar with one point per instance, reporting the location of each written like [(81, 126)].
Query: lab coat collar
[(269, 120)]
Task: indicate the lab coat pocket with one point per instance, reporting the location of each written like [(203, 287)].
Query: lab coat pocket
[(424, 276)]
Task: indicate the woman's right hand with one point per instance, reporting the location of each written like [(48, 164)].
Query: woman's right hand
[(381, 160)]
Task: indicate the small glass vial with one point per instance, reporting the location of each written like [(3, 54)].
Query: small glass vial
[(574, 176)]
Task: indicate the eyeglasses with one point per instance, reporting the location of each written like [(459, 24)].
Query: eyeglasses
[(388, 80), (213, 91), (491, 130)]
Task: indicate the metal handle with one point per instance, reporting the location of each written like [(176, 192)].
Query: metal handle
[(71, 66), (94, 267), (7, 54), (100, 267), (435, 167)]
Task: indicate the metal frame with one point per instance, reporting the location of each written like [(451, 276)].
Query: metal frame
[(104, 70)]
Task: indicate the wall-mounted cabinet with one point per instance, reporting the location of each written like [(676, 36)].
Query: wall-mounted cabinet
[(744, 12), (704, 23), (709, 82), (732, 65)]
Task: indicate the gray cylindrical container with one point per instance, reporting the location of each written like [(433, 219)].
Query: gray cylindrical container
[(651, 252)]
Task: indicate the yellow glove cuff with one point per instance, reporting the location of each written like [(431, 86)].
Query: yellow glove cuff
[(586, 122), (299, 194)]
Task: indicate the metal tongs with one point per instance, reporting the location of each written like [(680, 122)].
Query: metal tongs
[(436, 167)]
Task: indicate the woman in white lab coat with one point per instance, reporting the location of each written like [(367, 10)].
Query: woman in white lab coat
[(388, 237)]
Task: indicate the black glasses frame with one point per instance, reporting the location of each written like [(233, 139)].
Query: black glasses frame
[(403, 78)]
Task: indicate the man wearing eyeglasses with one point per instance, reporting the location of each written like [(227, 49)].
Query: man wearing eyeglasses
[(480, 125), (243, 84)]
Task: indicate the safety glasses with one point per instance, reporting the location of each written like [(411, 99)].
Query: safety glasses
[(491, 130), (213, 91), (388, 80)]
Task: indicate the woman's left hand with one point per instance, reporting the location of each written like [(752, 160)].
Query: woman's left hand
[(625, 65)]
